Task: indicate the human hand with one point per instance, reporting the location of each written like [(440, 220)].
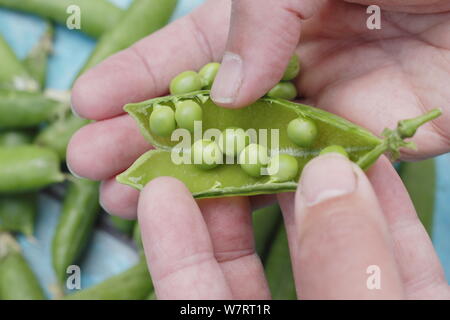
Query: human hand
[(346, 68), (339, 222)]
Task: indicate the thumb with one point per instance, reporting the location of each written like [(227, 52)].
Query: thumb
[(263, 36)]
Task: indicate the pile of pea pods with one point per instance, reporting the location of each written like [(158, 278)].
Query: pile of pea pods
[(36, 126)]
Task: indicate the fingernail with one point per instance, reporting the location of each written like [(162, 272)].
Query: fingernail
[(229, 79), (325, 178)]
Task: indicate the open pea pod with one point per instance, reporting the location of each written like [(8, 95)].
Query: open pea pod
[(267, 113)]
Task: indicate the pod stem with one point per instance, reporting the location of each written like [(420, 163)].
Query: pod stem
[(394, 139), (7, 244)]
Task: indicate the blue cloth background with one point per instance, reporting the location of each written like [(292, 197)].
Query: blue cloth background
[(107, 254)]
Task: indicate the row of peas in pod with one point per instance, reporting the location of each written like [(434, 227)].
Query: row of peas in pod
[(234, 142)]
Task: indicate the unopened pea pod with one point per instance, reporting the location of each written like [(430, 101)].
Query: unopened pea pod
[(420, 181), (267, 115), (13, 74), (265, 225), (57, 135), (141, 19), (137, 237), (20, 109), (278, 268), (79, 212), (123, 225), (28, 168), (132, 284), (15, 138), (95, 17), (17, 280), (17, 213)]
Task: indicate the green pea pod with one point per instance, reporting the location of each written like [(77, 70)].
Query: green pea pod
[(132, 284), (17, 213), (57, 135), (123, 225), (37, 60), (267, 115), (141, 19), (28, 168), (79, 212), (17, 280), (13, 75), (278, 268), (266, 222), (21, 109), (420, 180), (14, 138), (96, 17), (137, 237)]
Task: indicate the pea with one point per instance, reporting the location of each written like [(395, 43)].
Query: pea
[(28, 168), (292, 69), (162, 121), (185, 82), (303, 132), (233, 140), (186, 113), (283, 90), (208, 74), (283, 167), (335, 149), (206, 154), (253, 158)]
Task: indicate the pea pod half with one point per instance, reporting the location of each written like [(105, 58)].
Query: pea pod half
[(28, 168), (272, 115)]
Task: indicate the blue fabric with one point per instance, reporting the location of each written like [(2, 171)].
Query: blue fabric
[(108, 255)]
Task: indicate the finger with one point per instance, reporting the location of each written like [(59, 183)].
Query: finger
[(145, 70), (342, 234), (263, 36), (105, 142), (177, 244), (229, 222), (419, 265), (118, 199)]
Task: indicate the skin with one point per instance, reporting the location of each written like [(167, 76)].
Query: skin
[(395, 73)]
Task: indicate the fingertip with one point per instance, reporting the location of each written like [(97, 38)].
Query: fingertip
[(118, 199)]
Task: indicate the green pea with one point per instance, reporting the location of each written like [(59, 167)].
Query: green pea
[(208, 74), (206, 154), (283, 90), (233, 140), (185, 82), (186, 113), (335, 149), (283, 167), (253, 158), (302, 132), (162, 121), (292, 69)]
